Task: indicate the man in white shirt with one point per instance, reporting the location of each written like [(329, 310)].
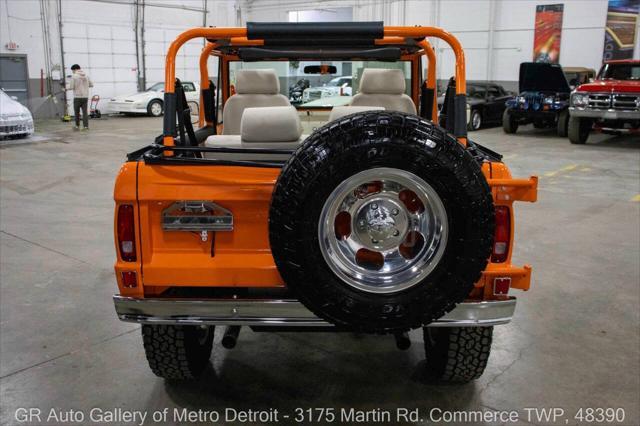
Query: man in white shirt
[(80, 84)]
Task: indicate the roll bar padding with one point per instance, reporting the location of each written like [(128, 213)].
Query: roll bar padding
[(326, 30)]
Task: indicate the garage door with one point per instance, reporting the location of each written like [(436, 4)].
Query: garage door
[(13, 76)]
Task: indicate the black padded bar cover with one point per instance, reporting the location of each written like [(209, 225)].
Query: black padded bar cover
[(380, 54), (460, 117), (330, 43), (336, 30), (169, 118), (208, 96), (426, 102)]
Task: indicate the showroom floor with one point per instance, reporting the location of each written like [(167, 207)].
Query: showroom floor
[(573, 343)]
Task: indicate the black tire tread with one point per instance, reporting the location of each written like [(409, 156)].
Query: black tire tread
[(174, 352), (509, 125), (457, 354), (563, 123), (576, 131)]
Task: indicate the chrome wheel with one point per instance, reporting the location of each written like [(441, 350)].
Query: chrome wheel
[(383, 230)]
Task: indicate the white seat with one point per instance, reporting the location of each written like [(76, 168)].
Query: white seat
[(384, 88), (266, 128), (254, 88)]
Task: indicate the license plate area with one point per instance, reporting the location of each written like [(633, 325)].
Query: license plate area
[(196, 216)]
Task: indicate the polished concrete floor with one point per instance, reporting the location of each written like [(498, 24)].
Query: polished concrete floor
[(574, 342)]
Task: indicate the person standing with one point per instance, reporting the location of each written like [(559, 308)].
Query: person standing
[(80, 84)]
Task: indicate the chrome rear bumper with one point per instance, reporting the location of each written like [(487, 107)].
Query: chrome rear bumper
[(281, 312)]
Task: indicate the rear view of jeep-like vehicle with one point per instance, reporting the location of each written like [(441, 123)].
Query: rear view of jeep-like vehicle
[(611, 104), (367, 218)]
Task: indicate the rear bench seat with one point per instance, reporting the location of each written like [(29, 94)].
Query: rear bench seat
[(270, 128), (266, 127)]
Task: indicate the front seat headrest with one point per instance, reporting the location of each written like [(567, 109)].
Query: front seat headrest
[(261, 82), (382, 81)]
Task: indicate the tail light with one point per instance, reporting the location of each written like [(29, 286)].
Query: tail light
[(502, 235), (129, 279), (126, 233)]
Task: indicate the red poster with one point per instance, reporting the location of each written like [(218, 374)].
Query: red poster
[(548, 30)]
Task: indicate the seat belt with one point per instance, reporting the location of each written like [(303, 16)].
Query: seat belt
[(184, 117)]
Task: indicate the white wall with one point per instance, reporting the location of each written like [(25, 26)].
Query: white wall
[(469, 20), (99, 35)]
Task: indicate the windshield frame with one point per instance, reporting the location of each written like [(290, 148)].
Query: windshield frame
[(414, 68)]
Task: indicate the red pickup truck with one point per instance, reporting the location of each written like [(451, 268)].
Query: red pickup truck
[(610, 104)]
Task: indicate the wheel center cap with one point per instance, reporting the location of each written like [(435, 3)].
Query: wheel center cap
[(381, 224)]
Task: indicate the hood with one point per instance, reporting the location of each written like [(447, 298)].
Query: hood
[(542, 77), (604, 86), (140, 96), (10, 107)]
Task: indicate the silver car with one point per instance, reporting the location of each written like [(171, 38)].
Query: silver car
[(15, 119)]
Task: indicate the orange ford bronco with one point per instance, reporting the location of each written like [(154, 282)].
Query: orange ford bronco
[(351, 211)]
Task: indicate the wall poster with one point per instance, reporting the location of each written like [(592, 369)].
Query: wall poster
[(620, 30), (548, 31)]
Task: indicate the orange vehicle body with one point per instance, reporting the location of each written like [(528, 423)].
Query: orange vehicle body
[(242, 258)]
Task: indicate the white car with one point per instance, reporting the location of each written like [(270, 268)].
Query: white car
[(150, 102), (339, 86), (15, 119)]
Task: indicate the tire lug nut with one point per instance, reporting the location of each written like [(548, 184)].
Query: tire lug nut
[(374, 206), (396, 232), (374, 241), (395, 212)]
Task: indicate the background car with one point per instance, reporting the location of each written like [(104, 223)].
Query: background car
[(578, 75), (15, 119), (485, 103), (150, 102), (543, 99), (339, 86)]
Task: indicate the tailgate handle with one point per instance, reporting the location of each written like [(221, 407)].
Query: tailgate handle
[(196, 216)]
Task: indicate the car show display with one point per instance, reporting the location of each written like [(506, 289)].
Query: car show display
[(277, 212)]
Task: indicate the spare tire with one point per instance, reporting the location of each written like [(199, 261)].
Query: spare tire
[(381, 222)]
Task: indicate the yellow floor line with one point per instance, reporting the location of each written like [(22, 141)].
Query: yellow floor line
[(636, 198), (568, 168)]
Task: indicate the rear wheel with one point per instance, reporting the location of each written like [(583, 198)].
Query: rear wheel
[(563, 123), (578, 130), (475, 121), (177, 351), (509, 123), (155, 108), (376, 227), (457, 354)]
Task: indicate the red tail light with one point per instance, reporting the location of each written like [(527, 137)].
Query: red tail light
[(502, 235), (126, 233)]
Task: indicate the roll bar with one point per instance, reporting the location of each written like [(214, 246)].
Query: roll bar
[(239, 36)]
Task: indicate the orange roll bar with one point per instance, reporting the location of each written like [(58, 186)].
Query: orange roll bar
[(392, 34)]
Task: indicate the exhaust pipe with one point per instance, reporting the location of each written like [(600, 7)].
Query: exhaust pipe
[(230, 337), (402, 341)]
